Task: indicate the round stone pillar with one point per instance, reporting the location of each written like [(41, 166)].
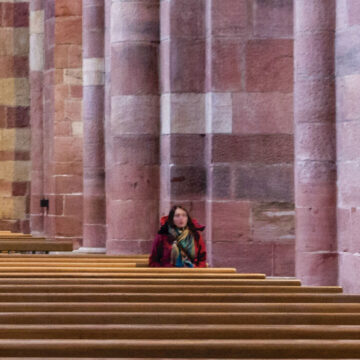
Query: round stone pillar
[(315, 154), (94, 225), (132, 128), (36, 77)]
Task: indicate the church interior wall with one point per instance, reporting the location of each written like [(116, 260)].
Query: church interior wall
[(131, 107)]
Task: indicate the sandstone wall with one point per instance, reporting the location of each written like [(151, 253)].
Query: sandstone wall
[(194, 100), (249, 125), (56, 81), (138, 105)]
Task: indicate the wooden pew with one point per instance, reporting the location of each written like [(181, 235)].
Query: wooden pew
[(190, 349), (54, 261), (128, 274), (5, 235), (73, 256), (117, 268), (10, 241), (149, 281), (36, 260), (50, 296), (167, 318), (168, 289), (182, 307), (35, 244), (103, 310), (20, 266), (158, 332)]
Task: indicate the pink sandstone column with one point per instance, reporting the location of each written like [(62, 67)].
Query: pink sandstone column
[(107, 98), (315, 158), (36, 113), (48, 115), (94, 222), (348, 135), (132, 144)]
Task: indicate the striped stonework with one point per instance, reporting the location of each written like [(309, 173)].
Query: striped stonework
[(14, 116)]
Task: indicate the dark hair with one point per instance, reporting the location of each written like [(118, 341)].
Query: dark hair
[(190, 223)]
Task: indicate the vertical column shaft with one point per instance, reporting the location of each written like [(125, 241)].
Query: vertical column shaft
[(36, 113), (315, 155), (94, 225), (132, 146)]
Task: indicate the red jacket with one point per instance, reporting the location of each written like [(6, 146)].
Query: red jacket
[(161, 250)]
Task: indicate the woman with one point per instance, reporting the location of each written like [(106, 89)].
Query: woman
[(179, 242)]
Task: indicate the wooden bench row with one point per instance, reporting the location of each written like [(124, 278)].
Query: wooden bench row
[(91, 308), (76, 266), (50, 296), (35, 245), (168, 289), (32, 244), (168, 318), (78, 262), (27, 243), (72, 256), (126, 267), (127, 273), (179, 348), (181, 307), (10, 234), (149, 281), (61, 260), (158, 332)]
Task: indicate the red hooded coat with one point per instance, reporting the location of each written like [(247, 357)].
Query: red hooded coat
[(161, 250)]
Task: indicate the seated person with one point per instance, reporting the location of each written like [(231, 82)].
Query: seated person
[(179, 242)]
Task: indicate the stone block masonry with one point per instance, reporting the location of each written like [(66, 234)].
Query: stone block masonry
[(249, 135), (138, 105), (217, 105), (56, 99)]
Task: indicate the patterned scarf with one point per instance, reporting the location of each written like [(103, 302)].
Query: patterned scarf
[(183, 248)]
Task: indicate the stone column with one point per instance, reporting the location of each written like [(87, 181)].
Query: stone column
[(94, 223), (315, 158), (15, 165), (132, 144), (36, 113)]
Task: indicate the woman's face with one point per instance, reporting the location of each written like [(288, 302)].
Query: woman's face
[(180, 218)]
